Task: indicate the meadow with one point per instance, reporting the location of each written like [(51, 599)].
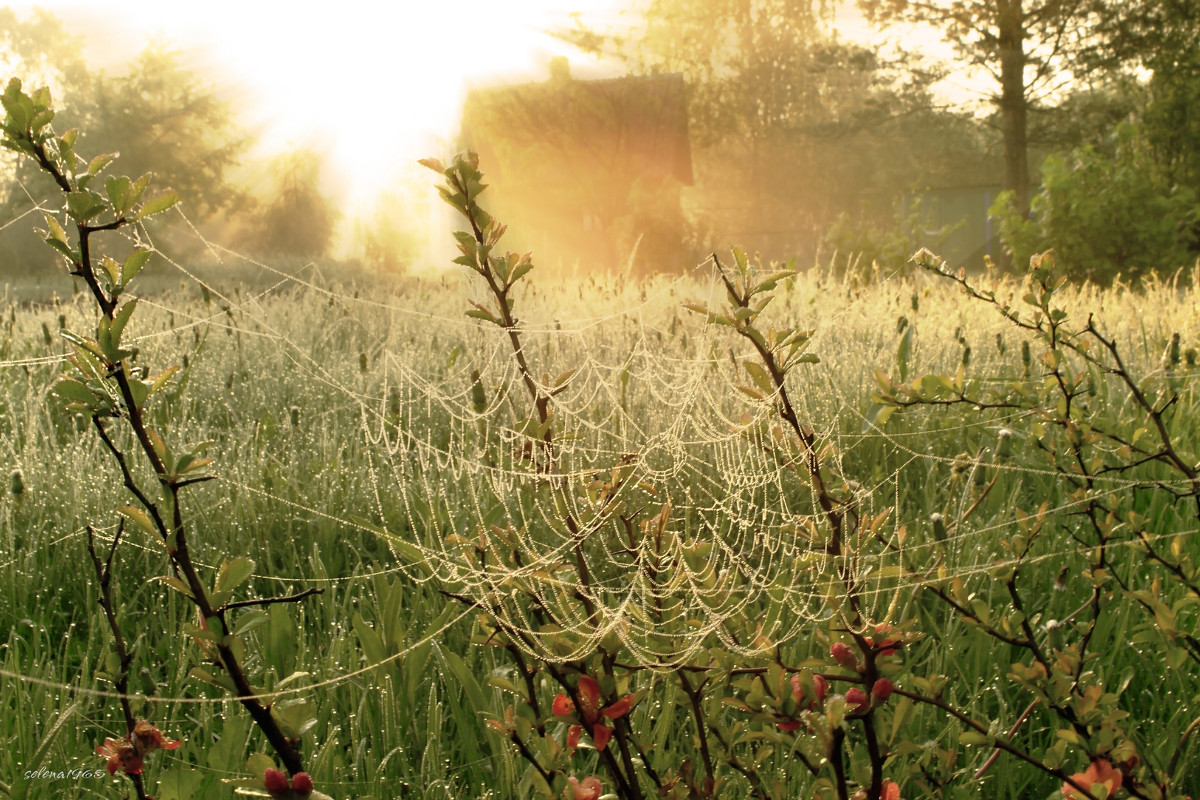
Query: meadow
[(768, 532), (346, 420)]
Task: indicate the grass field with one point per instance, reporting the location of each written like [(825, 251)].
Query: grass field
[(340, 409)]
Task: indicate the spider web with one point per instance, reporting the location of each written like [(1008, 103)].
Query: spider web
[(439, 409)]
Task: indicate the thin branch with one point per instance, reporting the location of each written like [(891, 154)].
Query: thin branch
[(120, 681), (266, 601), (998, 743), (979, 773)]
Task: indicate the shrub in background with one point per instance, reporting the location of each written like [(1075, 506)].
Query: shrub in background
[(1104, 213), (870, 242)]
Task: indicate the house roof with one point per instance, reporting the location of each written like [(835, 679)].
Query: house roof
[(562, 130)]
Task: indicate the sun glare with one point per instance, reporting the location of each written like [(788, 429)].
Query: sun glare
[(371, 85)]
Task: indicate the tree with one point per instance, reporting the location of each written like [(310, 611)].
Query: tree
[(760, 73), (1160, 37), (1028, 47), (743, 59), (1089, 114), (584, 169), (297, 219), (389, 239), (1105, 212), (41, 52), (791, 126), (157, 114), (164, 120)]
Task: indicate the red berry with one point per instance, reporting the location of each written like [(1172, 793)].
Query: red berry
[(302, 784), (882, 689), (276, 783), (856, 699)]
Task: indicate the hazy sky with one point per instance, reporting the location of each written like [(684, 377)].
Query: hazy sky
[(373, 84)]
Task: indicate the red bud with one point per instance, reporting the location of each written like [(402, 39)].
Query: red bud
[(882, 690), (276, 783), (820, 687), (843, 655), (302, 784), (856, 699)]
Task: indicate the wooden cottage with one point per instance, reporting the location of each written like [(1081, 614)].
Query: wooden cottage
[(582, 171)]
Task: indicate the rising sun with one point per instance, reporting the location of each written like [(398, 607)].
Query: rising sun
[(372, 85)]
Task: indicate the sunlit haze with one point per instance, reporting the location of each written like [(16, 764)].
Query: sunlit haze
[(371, 85)]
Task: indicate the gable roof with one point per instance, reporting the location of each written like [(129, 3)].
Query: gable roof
[(548, 133)]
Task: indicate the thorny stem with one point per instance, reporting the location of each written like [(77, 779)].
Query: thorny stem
[(1029, 641), (540, 399), (581, 568), (1168, 453), (540, 612), (1174, 569), (645, 759), (623, 773), (874, 754), (528, 675), (731, 759), (494, 612), (509, 323), (967, 613), (107, 304), (975, 505), (284, 747), (1097, 596), (1047, 326), (523, 749), (127, 475), (626, 782), (104, 575), (1191, 644), (559, 676), (48, 166), (621, 734), (979, 773), (1015, 597), (1156, 415)]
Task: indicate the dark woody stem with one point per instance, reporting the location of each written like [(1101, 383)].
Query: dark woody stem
[(103, 570)]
